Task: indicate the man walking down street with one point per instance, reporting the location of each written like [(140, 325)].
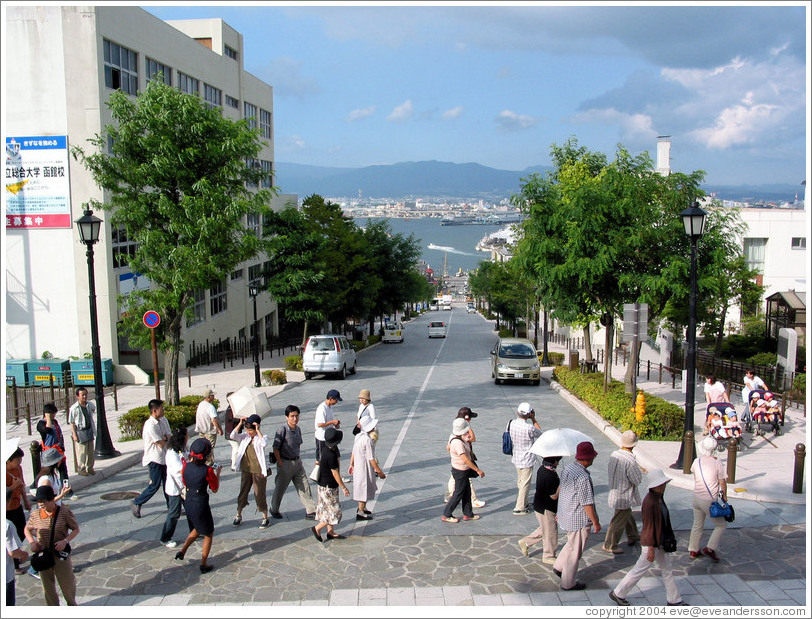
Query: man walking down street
[(287, 445), (325, 417), (523, 432), (576, 510), (207, 424), (624, 477), (155, 434), (80, 418)]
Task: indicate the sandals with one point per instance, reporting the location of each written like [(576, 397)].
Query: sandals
[(237, 521)]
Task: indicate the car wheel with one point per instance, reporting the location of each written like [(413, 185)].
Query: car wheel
[(342, 373), (496, 381), (354, 369), (308, 375), (537, 382)]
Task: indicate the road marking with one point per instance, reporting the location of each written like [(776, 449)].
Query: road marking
[(360, 525)]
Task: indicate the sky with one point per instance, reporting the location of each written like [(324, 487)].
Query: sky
[(382, 83)]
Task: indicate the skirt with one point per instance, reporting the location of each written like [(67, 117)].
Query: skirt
[(199, 514), (328, 509)]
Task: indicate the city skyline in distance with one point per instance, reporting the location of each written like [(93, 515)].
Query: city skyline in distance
[(498, 85)]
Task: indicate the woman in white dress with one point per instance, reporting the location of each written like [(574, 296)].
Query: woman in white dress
[(364, 467)]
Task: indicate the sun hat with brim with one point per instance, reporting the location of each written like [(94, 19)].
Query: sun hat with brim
[(585, 451), (11, 446), (44, 493), (707, 447), (628, 439), (333, 437), (50, 457), (365, 394), (460, 427), (657, 477), (368, 424)]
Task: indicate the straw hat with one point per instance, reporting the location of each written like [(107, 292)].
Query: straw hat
[(628, 439)]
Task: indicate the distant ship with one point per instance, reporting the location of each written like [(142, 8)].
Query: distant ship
[(482, 220)]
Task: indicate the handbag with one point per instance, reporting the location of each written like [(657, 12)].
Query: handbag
[(669, 543), (45, 559), (507, 442), (718, 507), (84, 435), (314, 474)]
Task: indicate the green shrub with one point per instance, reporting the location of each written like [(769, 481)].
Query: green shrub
[(663, 420), (131, 423), (767, 359), (274, 377), (556, 358), (292, 362), (505, 332)]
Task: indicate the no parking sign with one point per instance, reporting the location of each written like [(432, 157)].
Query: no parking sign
[(152, 319)]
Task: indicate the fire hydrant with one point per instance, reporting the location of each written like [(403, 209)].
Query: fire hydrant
[(640, 406)]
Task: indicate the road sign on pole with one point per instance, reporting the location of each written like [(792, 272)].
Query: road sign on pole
[(152, 319)]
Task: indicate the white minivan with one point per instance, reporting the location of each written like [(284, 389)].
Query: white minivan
[(328, 354)]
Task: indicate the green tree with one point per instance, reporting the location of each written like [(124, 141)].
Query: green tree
[(176, 180)]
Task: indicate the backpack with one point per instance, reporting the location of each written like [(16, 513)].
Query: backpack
[(507, 442)]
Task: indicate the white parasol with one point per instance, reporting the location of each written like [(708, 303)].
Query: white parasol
[(558, 442), (247, 401)]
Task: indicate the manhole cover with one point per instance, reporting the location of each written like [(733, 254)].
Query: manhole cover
[(119, 496)]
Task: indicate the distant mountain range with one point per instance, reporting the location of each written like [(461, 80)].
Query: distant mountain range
[(423, 179)]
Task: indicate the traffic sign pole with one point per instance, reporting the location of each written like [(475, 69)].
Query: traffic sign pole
[(151, 320)]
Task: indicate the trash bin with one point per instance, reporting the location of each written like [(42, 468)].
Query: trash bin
[(81, 371), (39, 371), (573, 360)]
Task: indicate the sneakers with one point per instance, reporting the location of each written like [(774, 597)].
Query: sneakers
[(135, 509), (477, 504), (614, 551), (474, 517), (237, 521), (520, 512), (170, 544), (710, 552), (265, 523), (34, 573), (276, 515), (618, 600), (523, 547), (449, 519)]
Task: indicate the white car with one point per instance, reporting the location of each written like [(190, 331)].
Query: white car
[(392, 332), (328, 354), (437, 328)]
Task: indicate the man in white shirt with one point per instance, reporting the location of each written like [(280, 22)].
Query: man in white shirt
[(155, 434), (207, 424), (80, 418), (325, 417)]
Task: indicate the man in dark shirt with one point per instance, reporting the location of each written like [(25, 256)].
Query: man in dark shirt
[(286, 449), (52, 438)]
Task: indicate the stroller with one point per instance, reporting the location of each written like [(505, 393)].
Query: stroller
[(721, 422), (763, 413)]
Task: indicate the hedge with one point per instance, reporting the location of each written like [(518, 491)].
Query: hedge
[(131, 423), (293, 362), (663, 421)]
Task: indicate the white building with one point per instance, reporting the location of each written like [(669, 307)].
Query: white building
[(61, 64)]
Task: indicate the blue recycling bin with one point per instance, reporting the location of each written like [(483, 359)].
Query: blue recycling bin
[(81, 371), (15, 368), (39, 371)]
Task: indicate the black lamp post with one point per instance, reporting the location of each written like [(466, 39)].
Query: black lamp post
[(89, 227), (253, 291), (693, 218)]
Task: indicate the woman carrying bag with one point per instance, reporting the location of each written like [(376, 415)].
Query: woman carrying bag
[(50, 529), (710, 483)]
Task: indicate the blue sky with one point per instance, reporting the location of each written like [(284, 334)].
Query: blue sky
[(497, 85)]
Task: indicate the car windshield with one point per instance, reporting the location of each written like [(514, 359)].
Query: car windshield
[(516, 351)]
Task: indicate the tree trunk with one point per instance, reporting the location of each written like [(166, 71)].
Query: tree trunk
[(634, 355), (304, 334), (588, 342), (171, 359), (607, 360)]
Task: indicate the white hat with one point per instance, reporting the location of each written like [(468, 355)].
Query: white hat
[(460, 427), (368, 424), (657, 477), (524, 409), (628, 439), (707, 447), (11, 446)]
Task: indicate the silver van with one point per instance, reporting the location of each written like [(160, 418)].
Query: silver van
[(328, 354)]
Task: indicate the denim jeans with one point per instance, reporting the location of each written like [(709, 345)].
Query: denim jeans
[(173, 503), (157, 478)]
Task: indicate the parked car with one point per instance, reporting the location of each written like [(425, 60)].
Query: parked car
[(515, 359), (328, 354), (437, 328), (392, 332)]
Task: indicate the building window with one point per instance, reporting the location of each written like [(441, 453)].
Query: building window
[(798, 242), (269, 328), (230, 52), (267, 169), (232, 102), (188, 84), (198, 308), (754, 253), (252, 164), (254, 272), (120, 68), (123, 248), (155, 68), (235, 275), (218, 299), (212, 96), (265, 123), (250, 115), (254, 227)]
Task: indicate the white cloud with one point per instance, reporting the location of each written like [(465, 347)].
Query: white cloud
[(295, 142), (402, 112), (739, 124), (632, 127), (361, 113), (454, 112), (285, 75), (508, 120)]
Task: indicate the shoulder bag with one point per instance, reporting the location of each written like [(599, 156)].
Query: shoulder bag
[(45, 559), (718, 507), (507, 442)]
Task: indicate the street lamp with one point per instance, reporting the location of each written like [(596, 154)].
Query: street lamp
[(89, 227), (693, 218), (253, 291)]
